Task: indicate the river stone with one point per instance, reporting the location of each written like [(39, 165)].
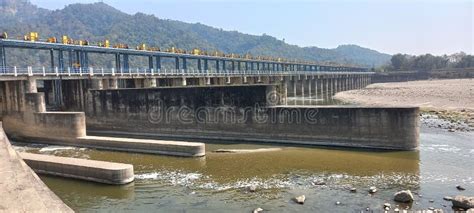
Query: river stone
[(447, 198), (386, 205), (300, 199), (252, 188), (404, 196), (257, 210), (460, 188), (463, 202), (372, 189), (353, 190)]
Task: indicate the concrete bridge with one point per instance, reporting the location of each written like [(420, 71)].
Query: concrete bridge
[(125, 100)]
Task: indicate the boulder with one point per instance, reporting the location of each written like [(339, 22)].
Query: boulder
[(463, 202), (300, 199), (252, 188), (257, 210), (404, 196), (372, 189), (447, 198)]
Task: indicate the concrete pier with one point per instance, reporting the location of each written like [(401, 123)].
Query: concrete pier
[(90, 170), (20, 188), (69, 128)]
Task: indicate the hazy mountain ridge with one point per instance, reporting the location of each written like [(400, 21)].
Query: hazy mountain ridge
[(100, 21)]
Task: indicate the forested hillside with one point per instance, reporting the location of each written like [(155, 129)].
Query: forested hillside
[(100, 21)]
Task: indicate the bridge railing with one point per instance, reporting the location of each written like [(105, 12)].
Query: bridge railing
[(94, 71)]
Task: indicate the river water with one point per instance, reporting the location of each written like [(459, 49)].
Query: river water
[(219, 182)]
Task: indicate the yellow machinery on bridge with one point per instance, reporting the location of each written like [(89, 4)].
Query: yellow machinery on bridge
[(217, 53), (154, 49), (141, 47), (196, 51), (232, 55), (52, 40), (175, 50), (82, 42), (32, 36), (66, 40), (105, 43), (121, 46), (4, 35)]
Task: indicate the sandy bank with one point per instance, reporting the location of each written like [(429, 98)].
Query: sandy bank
[(451, 99)]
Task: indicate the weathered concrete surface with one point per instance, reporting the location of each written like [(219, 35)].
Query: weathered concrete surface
[(242, 151), (21, 189), (175, 148), (90, 170), (69, 128), (46, 124), (242, 113)]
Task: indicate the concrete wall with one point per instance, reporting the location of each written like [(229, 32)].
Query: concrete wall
[(35, 122), (11, 97), (243, 113), (20, 188)]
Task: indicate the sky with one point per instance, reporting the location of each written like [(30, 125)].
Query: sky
[(404, 26)]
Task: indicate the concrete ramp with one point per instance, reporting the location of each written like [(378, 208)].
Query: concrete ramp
[(21, 189), (90, 170)]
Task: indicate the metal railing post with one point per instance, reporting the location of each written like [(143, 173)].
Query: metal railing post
[(30, 71)]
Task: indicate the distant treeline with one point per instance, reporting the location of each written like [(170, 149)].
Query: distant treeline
[(428, 62)]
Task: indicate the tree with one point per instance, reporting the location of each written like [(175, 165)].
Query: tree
[(398, 61)]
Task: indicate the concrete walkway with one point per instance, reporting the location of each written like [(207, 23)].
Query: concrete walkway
[(21, 190)]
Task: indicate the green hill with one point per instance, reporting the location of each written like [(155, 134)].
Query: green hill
[(100, 21)]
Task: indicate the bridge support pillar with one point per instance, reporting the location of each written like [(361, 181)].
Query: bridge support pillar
[(315, 88), (352, 83), (309, 84), (326, 83), (150, 83), (183, 82), (113, 83), (97, 84), (333, 85), (139, 83), (31, 86), (244, 79)]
